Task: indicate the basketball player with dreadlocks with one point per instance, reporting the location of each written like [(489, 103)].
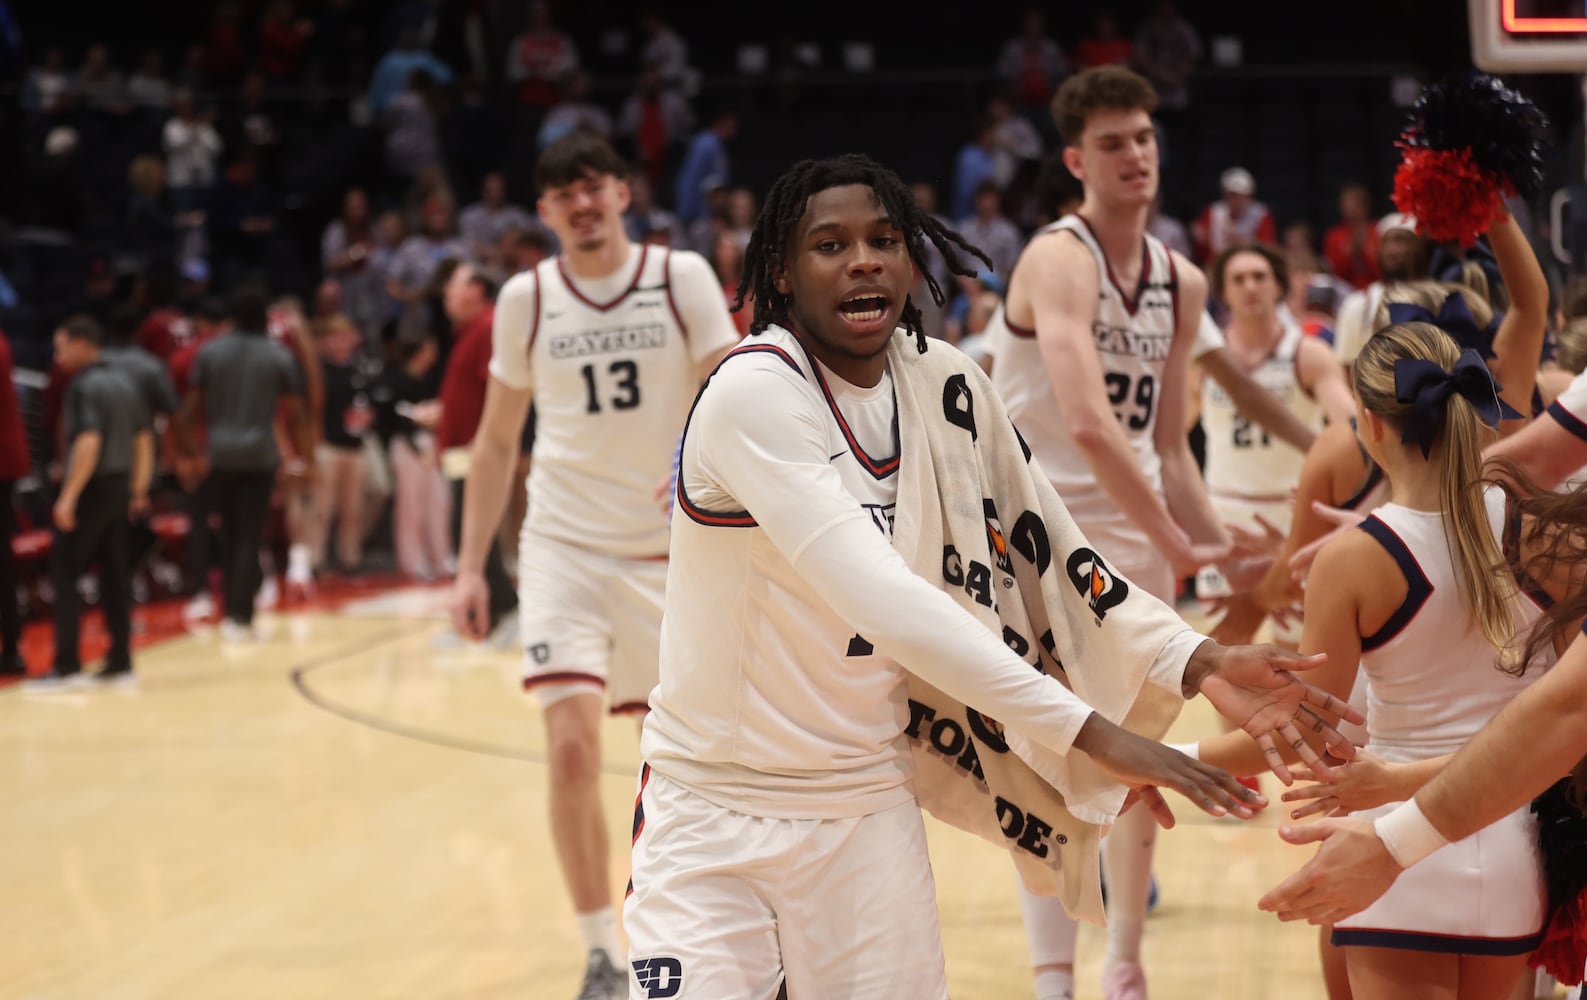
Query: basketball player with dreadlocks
[(776, 830), (1108, 312), (611, 340)]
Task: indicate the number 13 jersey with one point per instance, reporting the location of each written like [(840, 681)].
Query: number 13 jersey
[(1132, 335), (612, 366)]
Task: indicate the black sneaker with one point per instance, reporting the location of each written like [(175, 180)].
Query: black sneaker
[(120, 677), (602, 979)]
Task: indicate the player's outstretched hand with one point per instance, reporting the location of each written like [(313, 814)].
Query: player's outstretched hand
[(1348, 873), (1145, 766), (1255, 687), (470, 605)]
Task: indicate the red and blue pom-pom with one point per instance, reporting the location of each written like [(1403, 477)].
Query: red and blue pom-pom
[(1471, 141)]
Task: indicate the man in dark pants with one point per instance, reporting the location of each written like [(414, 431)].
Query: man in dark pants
[(201, 549), (13, 466), (238, 380), (110, 459), (153, 382)]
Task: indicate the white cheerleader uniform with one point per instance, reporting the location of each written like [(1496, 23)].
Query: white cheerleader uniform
[(1434, 682)]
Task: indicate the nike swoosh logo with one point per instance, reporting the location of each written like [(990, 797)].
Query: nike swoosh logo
[(839, 455)]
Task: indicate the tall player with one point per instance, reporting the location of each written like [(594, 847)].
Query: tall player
[(611, 340), (1248, 473), (1107, 311)]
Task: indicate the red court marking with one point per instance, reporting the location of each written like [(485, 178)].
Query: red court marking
[(1526, 25), (162, 621)]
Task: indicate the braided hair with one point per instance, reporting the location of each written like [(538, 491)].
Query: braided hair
[(785, 206)]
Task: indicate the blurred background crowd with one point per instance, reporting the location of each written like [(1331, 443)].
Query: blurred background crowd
[(365, 164)]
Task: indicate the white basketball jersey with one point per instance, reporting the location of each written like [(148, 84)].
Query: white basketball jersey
[(1434, 679), (1132, 335), (613, 381), (1243, 459)]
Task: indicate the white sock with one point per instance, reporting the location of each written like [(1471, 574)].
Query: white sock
[(1055, 985), (1049, 929), (599, 929), (1127, 859)]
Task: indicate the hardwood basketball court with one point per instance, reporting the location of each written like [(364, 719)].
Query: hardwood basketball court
[(346, 810)]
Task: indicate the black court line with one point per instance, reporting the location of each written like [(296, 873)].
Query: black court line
[(301, 684)]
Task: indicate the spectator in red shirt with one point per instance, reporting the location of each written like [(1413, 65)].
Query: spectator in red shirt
[(1352, 246), (1104, 46), (282, 38), (470, 305), (13, 466)]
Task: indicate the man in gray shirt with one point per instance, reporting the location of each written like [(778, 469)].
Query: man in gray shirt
[(153, 382), (110, 460), (238, 380), (148, 373)]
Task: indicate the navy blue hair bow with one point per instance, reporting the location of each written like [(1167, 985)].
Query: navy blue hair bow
[(1427, 387), (1454, 318)]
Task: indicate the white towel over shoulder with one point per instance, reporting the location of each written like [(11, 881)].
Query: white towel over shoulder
[(977, 516)]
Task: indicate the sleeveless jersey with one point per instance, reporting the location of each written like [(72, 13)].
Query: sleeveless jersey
[(1433, 678), (1132, 335), (1243, 459), (613, 381)]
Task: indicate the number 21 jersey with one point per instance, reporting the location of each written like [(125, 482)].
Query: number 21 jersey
[(612, 366), (1132, 334)]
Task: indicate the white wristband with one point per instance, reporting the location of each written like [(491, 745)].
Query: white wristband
[(1407, 834), (1191, 750)]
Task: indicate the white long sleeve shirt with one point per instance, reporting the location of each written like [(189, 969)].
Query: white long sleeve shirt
[(790, 619)]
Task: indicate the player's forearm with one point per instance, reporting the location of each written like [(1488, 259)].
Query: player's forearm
[(490, 471), (1527, 747), (80, 465), (1112, 462), (1255, 403), (870, 587), (1543, 449), (1187, 498), (142, 463)]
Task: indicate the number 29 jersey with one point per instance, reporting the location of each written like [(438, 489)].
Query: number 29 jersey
[(612, 366), (1132, 336)]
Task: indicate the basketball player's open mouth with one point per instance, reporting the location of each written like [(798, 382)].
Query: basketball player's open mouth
[(864, 308)]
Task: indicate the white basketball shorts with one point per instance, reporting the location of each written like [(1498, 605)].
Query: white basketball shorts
[(724, 905), (588, 622)]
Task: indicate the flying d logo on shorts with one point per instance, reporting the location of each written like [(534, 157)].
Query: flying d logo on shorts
[(540, 652), (659, 977), (1096, 582)]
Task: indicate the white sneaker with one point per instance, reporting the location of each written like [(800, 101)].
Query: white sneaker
[(506, 635), (55, 683), (233, 631), (202, 606), (269, 594)]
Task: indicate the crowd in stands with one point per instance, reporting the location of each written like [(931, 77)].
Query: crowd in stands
[(380, 212)]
